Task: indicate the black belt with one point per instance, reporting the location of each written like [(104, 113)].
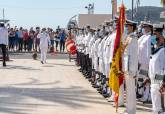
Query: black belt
[(143, 72), (140, 79)]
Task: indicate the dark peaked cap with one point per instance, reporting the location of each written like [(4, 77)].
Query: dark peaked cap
[(157, 28)]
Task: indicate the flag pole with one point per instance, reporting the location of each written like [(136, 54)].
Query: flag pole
[(3, 14), (112, 2), (117, 106), (132, 8)]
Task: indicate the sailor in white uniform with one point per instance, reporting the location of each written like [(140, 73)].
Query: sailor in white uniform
[(44, 44), (96, 59), (86, 40), (101, 59), (144, 52), (130, 65), (91, 42), (157, 72)]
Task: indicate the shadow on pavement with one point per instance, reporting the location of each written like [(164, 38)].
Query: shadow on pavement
[(34, 81), (57, 64), (19, 67), (29, 56), (12, 99)]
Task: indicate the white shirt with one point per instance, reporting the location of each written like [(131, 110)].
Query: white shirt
[(144, 46), (112, 43), (157, 64), (101, 48), (86, 42), (92, 40), (78, 42), (96, 44), (44, 39), (4, 36), (109, 48), (130, 56)]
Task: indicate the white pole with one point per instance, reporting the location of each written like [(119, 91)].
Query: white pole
[(3, 14)]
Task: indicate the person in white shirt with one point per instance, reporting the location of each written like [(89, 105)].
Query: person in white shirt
[(144, 52), (157, 72), (95, 59), (130, 65), (86, 40), (3, 41), (44, 44)]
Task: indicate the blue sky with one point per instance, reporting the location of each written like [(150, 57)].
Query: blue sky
[(52, 13)]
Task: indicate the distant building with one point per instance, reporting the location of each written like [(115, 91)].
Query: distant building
[(4, 20), (162, 17), (94, 20)]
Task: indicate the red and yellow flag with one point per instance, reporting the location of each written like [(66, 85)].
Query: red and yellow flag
[(116, 75)]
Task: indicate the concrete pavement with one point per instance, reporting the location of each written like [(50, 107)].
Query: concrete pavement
[(57, 87)]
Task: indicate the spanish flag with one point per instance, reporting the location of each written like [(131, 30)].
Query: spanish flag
[(116, 75)]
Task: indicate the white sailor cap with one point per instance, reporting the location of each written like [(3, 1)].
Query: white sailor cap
[(2, 24), (110, 22), (116, 18), (94, 29), (130, 22), (88, 26), (147, 24)]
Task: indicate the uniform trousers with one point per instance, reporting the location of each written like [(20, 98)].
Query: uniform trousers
[(43, 53), (156, 98), (3, 47), (130, 94)]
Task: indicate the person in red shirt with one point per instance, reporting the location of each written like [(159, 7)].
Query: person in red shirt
[(25, 39)]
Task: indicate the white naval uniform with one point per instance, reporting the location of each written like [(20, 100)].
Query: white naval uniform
[(144, 52), (156, 66), (93, 52), (101, 56), (108, 54), (86, 42), (90, 44), (4, 36), (109, 57), (44, 43), (130, 67), (91, 49), (79, 43), (96, 67), (83, 43)]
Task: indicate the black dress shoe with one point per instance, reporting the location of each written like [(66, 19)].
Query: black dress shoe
[(80, 69), (99, 90), (42, 62), (96, 86), (86, 74), (106, 95), (4, 64), (90, 79)]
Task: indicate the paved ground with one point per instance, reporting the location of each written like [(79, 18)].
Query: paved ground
[(28, 87)]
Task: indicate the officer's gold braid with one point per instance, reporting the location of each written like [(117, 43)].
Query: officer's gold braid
[(125, 44)]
